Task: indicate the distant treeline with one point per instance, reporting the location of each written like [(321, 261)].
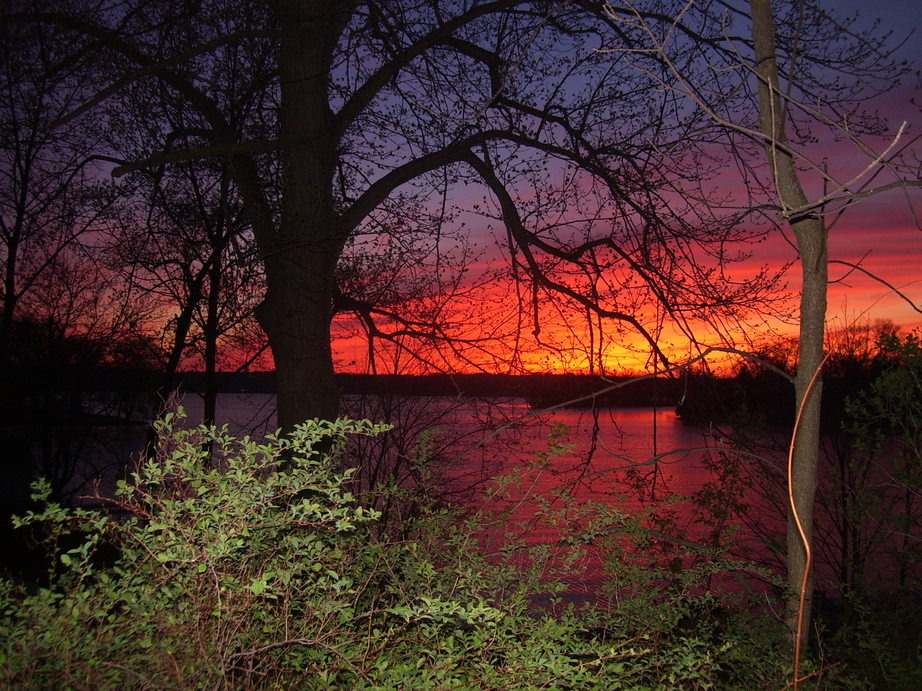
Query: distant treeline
[(540, 390), (696, 397)]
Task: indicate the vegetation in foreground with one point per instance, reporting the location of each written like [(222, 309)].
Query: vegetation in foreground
[(244, 564)]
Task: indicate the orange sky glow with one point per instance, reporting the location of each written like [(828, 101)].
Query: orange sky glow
[(882, 238), (881, 235)]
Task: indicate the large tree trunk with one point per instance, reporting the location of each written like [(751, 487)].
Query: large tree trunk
[(811, 237), (302, 256), (296, 318)]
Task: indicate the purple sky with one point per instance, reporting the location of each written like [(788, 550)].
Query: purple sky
[(881, 233)]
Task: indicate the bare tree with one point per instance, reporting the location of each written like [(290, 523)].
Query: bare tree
[(786, 80), (49, 199), (381, 104), (64, 317), (186, 246)]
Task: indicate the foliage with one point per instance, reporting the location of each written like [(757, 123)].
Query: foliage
[(875, 506), (255, 567), (885, 422), (876, 641), (891, 407)]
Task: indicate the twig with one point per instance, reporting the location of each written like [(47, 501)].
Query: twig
[(808, 552)]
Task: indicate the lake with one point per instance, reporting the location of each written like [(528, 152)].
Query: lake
[(492, 437), (637, 461), (631, 459)]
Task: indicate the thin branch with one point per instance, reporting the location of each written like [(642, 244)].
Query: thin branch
[(808, 551), (224, 149), (870, 274)]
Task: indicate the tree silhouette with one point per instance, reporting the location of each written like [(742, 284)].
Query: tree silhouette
[(49, 200), (777, 83), (383, 104)]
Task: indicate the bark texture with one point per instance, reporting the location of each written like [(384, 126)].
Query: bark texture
[(811, 237), (301, 256)]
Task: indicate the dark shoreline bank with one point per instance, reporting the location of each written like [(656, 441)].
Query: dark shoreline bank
[(540, 390), (695, 397)]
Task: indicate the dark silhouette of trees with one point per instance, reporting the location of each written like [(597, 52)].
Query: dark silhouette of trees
[(186, 246), (187, 240), (49, 200), (66, 320), (785, 80), (879, 480), (388, 106)]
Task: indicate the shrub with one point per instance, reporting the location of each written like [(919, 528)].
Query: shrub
[(253, 566)]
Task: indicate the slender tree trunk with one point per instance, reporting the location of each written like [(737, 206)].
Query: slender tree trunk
[(219, 238), (811, 241), (210, 383), (811, 236), (9, 303)]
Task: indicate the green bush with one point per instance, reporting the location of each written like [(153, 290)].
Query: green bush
[(252, 566)]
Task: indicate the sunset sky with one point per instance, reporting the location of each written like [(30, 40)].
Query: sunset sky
[(881, 233), (883, 230)]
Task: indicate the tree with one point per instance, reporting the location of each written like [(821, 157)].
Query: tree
[(887, 419), (48, 199), (807, 221), (383, 104), (76, 327), (64, 317), (187, 240), (186, 247), (779, 79), (812, 246)]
